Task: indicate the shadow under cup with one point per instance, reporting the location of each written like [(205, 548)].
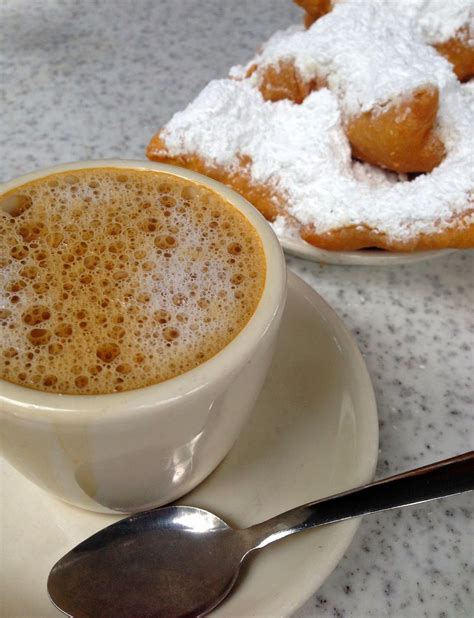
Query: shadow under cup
[(130, 451)]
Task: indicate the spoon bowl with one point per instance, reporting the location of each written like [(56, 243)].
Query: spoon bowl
[(153, 556)]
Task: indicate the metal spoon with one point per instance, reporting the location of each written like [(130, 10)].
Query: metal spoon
[(183, 561)]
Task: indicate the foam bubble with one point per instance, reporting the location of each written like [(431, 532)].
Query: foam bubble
[(114, 280)]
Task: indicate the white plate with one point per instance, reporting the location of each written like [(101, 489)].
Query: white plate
[(314, 432), (365, 257)]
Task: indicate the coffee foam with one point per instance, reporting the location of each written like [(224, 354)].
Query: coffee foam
[(116, 279)]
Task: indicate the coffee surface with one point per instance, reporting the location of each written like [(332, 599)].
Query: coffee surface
[(115, 279)]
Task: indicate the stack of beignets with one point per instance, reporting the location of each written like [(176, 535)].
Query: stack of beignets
[(353, 131)]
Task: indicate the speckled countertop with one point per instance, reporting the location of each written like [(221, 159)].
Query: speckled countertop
[(95, 79)]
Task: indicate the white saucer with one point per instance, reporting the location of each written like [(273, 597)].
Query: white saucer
[(314, 432), (366, 257)]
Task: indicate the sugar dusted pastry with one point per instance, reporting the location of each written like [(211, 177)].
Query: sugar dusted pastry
[(295, 160), (292, 157), (459, 51), (402, 136), (389, 88)]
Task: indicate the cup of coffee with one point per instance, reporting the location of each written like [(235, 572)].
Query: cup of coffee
[(139, 307)]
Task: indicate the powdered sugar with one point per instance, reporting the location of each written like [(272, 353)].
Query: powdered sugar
[(302, 152), (284, 227), (193, 130), (367, 56), (439, 20)]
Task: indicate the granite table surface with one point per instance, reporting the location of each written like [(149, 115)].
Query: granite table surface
[(95, 79)]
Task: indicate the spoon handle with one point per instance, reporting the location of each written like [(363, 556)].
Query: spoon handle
[(440, 479)]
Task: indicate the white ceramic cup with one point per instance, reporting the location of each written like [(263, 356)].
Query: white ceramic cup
[(131, 451)]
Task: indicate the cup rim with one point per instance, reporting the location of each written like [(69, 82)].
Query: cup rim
[(40, 406)]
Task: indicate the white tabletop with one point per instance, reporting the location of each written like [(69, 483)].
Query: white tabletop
[(95, 79)]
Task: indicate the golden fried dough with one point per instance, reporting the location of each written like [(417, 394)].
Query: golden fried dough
[(459, 235), (263, 198), (402, 137), (459, 53), (314, 9), (284, 81)]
